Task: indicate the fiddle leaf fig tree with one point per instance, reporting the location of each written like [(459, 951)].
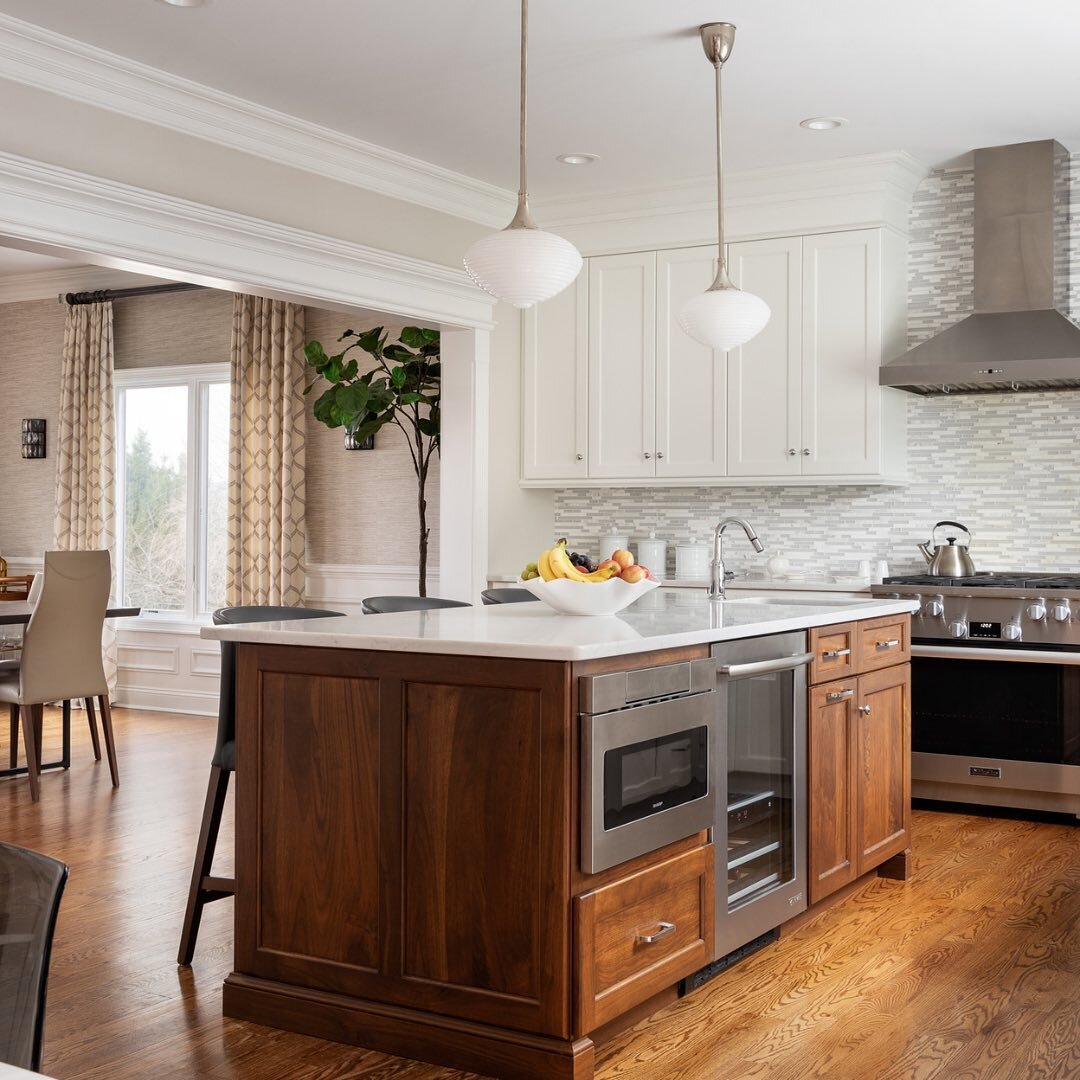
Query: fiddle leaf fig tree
[(401, 387)]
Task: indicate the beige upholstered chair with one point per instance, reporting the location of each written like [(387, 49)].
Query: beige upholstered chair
[(61, 653)]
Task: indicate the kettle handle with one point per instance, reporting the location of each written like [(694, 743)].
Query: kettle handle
[(956, 523)]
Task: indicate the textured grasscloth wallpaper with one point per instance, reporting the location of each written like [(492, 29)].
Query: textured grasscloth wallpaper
[(361, 506), (1006, 465)]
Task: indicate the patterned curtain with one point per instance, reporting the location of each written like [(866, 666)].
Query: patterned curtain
[(266, 454), (86, 443)]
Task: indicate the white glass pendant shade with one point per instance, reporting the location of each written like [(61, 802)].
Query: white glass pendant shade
[(724, 319), (523, 266)]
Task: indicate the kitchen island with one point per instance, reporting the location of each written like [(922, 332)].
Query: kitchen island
[(409, 868)]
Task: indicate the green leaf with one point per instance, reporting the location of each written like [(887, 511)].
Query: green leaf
[(353, 399), (308, 388), (398, 376), (325, 408), (428, 426), (332, 370), (431, 335), (370, 340), (430, 350), (397, 353), (412, 336), (348, 333), (410, 399), (349, 371), (315, 353)]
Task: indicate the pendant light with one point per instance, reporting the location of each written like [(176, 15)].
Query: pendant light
[(523, 265), (723, 317)]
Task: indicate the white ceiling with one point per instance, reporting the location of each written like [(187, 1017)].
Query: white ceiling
[(625, 79), (14, 262)]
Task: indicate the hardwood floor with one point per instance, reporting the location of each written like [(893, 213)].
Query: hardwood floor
[(968, 971)]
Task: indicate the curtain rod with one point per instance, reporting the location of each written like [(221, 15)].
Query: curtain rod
[(120, 294)]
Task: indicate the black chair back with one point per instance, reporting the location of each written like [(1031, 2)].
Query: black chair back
[(31, 886), (508, 596), (382, 605), (225, 748)]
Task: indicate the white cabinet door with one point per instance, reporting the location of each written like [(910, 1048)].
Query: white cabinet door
[(842, 353), (554, 386), (691, 379), (765, 375), (622, 366)]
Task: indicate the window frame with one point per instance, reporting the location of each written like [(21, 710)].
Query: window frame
[(197, 378)]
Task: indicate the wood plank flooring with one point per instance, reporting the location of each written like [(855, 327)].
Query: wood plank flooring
[(968, 971)]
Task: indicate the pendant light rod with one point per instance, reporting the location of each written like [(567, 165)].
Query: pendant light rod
[(718, 39), (523, 218)]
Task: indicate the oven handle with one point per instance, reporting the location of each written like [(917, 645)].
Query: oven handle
[(765, 667), (1018, 656)]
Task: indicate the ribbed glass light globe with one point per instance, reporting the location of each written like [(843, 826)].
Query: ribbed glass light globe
[(523, 266), (724, 318)]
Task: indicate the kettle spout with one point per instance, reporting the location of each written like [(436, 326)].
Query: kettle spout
[(927, 553)]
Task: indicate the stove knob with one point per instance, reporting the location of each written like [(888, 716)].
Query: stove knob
[(958, 628), (1061, 610), (935, 608), (1011, 631), (1037, 611)]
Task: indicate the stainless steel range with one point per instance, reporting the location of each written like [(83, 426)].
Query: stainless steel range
[(995, 688)]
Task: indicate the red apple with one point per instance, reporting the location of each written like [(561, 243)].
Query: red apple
[(623, 557), (634, 574), (611, 564)]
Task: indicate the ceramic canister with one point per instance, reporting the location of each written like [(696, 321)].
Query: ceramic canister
[(653, 554), (692, 561)]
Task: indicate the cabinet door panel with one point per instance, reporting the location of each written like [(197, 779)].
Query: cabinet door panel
[(765, 374), (832, 840), (554, 386), (883, 742), (622, 365), (842, 353), (691, 379)]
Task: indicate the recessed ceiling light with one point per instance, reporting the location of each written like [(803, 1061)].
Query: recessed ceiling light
[(578, 159), (185, 3), (822, 123)]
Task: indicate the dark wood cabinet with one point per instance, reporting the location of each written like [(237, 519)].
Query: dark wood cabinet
[(859, 757)]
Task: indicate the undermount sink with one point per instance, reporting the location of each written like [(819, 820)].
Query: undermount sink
[(779, 601)]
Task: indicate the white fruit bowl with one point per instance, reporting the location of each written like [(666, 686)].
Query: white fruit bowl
[(588, 597)]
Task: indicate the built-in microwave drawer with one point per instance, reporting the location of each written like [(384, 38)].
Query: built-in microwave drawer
[(645, 778)]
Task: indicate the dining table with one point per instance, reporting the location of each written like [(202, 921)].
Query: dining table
[(17, 613)]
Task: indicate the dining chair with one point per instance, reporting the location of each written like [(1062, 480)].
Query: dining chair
[(205, 888), (383, 605), (507, 596), (31, 885), (61, 655)]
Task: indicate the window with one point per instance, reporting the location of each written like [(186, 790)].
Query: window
[(172, 488)]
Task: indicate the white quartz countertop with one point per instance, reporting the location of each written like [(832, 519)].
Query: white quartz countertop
[(663, 619)]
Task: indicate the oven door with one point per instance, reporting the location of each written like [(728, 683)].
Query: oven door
[(645, 778)]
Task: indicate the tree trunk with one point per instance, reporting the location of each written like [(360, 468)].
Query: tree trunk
[(425, 532)]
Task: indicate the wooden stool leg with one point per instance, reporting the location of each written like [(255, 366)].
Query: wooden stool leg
[(30, 742), (14, 710), (92, 721), (204, 861), (107, 731)]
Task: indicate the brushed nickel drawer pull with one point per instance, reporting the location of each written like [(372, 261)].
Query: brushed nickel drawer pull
[(839, 695), (648, 939), (892, 644), (864, 709), (833, 654)]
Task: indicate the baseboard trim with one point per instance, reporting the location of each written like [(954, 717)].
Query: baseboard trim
[(160, 699)]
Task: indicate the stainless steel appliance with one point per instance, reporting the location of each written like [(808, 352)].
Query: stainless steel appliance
[(995, 688), (648, 738), (951, 559), (760, 780)]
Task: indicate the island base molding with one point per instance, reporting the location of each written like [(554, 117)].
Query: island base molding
[(409, 1033)]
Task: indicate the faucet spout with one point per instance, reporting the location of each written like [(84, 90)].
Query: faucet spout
[(717, 585)]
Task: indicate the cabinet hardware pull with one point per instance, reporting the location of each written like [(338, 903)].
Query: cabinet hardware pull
[(832, 654), (839, 695), (864, 709), (647, 455), (659, 453), (792, 452), (806, 451), (648, 939), (891, 644), (580, 457)]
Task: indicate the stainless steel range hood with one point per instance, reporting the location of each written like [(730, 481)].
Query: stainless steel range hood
[(1018, 338)]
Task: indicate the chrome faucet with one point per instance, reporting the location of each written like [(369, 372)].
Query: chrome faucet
[(716, 577)]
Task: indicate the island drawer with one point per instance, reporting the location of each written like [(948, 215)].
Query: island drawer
[(834, 652), (881, 643), (640, 935)]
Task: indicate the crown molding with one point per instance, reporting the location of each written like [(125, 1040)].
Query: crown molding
[(62, 65), (49, 284), (132, 229)]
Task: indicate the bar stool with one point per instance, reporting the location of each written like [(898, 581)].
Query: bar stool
[(508, 596), (383, 605), (205, 888)]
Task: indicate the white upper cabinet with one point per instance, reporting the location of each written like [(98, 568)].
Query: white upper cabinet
[(765, 376), (622, 366), (691, 379), (554, 386)]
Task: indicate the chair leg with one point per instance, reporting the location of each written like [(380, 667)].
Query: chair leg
[(198, 894), (66, 755), (14, 710), (32, 752), (92, 721), (107, 731)]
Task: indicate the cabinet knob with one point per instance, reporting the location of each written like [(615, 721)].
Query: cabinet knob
[(806, 452), (647, 455), (792, 452), (864, 709), (659, 453), (580, 457)]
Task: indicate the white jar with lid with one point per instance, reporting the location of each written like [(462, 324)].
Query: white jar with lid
[(611, 543), (692, 561), (653, 554)]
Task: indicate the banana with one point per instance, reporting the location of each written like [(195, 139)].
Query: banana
[(562, 567), (543, 564)]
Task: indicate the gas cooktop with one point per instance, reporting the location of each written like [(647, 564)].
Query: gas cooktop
[(991, 580)]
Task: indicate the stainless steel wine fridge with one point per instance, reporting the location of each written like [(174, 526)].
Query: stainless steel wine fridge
[(760, 785)]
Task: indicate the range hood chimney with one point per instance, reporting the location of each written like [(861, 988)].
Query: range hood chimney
[(1018, 337)]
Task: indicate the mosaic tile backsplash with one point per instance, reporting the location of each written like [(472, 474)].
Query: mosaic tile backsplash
[(1008, 466)]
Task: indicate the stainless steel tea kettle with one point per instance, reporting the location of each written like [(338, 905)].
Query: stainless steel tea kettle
[(950, 559)]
